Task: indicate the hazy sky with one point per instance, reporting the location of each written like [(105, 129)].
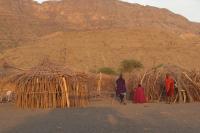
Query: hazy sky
[(188, 8)]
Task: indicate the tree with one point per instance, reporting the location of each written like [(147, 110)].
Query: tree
[(130, 65)]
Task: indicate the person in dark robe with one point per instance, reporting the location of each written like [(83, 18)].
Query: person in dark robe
[(121, 89), (139, 96), (169, 86)]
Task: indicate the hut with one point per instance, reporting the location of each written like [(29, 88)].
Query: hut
[(187, 83), (49, 85)]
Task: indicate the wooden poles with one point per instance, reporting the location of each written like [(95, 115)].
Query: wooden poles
[(192, 85), (66, 92), (50, 86), (99, 84), (187, 87)]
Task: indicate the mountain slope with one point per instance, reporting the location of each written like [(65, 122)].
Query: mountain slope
[(31, 17), (90, 50), (92, 33), (15, 27), (97, 14)]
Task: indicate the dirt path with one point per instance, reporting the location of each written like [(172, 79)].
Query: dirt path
[(103, 118)]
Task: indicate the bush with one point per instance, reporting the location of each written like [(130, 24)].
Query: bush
[(130, 65), (107, 70)]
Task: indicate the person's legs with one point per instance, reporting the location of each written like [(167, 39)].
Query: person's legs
[(124, 99), (121, 98), (171, 96), (168, 100)]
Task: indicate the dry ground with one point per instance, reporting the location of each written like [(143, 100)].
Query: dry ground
[(103, 118)]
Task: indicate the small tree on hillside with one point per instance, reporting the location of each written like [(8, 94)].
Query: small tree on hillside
[(130, 65)]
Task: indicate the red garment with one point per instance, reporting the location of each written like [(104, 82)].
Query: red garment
[(139, 96), (169, 85)]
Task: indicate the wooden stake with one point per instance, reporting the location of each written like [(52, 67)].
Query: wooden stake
[(66, 92)]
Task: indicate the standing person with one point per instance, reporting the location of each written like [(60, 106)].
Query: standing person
[(139, 96), (121, 88), (169, 86)]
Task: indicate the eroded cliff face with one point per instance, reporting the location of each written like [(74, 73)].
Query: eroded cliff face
[(90, 14), (15, 24), (98, 14)]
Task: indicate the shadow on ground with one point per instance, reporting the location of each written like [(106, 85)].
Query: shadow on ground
[(97, 120)]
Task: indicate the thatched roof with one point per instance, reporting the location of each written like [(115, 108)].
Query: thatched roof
[(46, 67), (50, 69)]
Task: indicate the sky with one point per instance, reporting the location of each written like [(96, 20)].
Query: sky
[(187, 8)]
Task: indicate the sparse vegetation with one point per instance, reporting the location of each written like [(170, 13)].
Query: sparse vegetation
[(107, 70), (130, 65)]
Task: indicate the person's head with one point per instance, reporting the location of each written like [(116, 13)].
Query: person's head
[(139, 85), (120, 76), (167, 75)]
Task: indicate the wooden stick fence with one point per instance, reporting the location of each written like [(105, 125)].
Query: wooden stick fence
[(187, 84)]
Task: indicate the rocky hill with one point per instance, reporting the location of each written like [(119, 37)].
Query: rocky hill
[(33, 30), (98, 14)]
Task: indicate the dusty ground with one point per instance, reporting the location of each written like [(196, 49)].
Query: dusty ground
[(103, 118)]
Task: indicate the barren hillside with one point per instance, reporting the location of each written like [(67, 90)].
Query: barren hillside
[(89, 34), (89, 50)]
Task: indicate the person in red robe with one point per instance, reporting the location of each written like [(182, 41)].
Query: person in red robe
[(139, 96), (169, 86)]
